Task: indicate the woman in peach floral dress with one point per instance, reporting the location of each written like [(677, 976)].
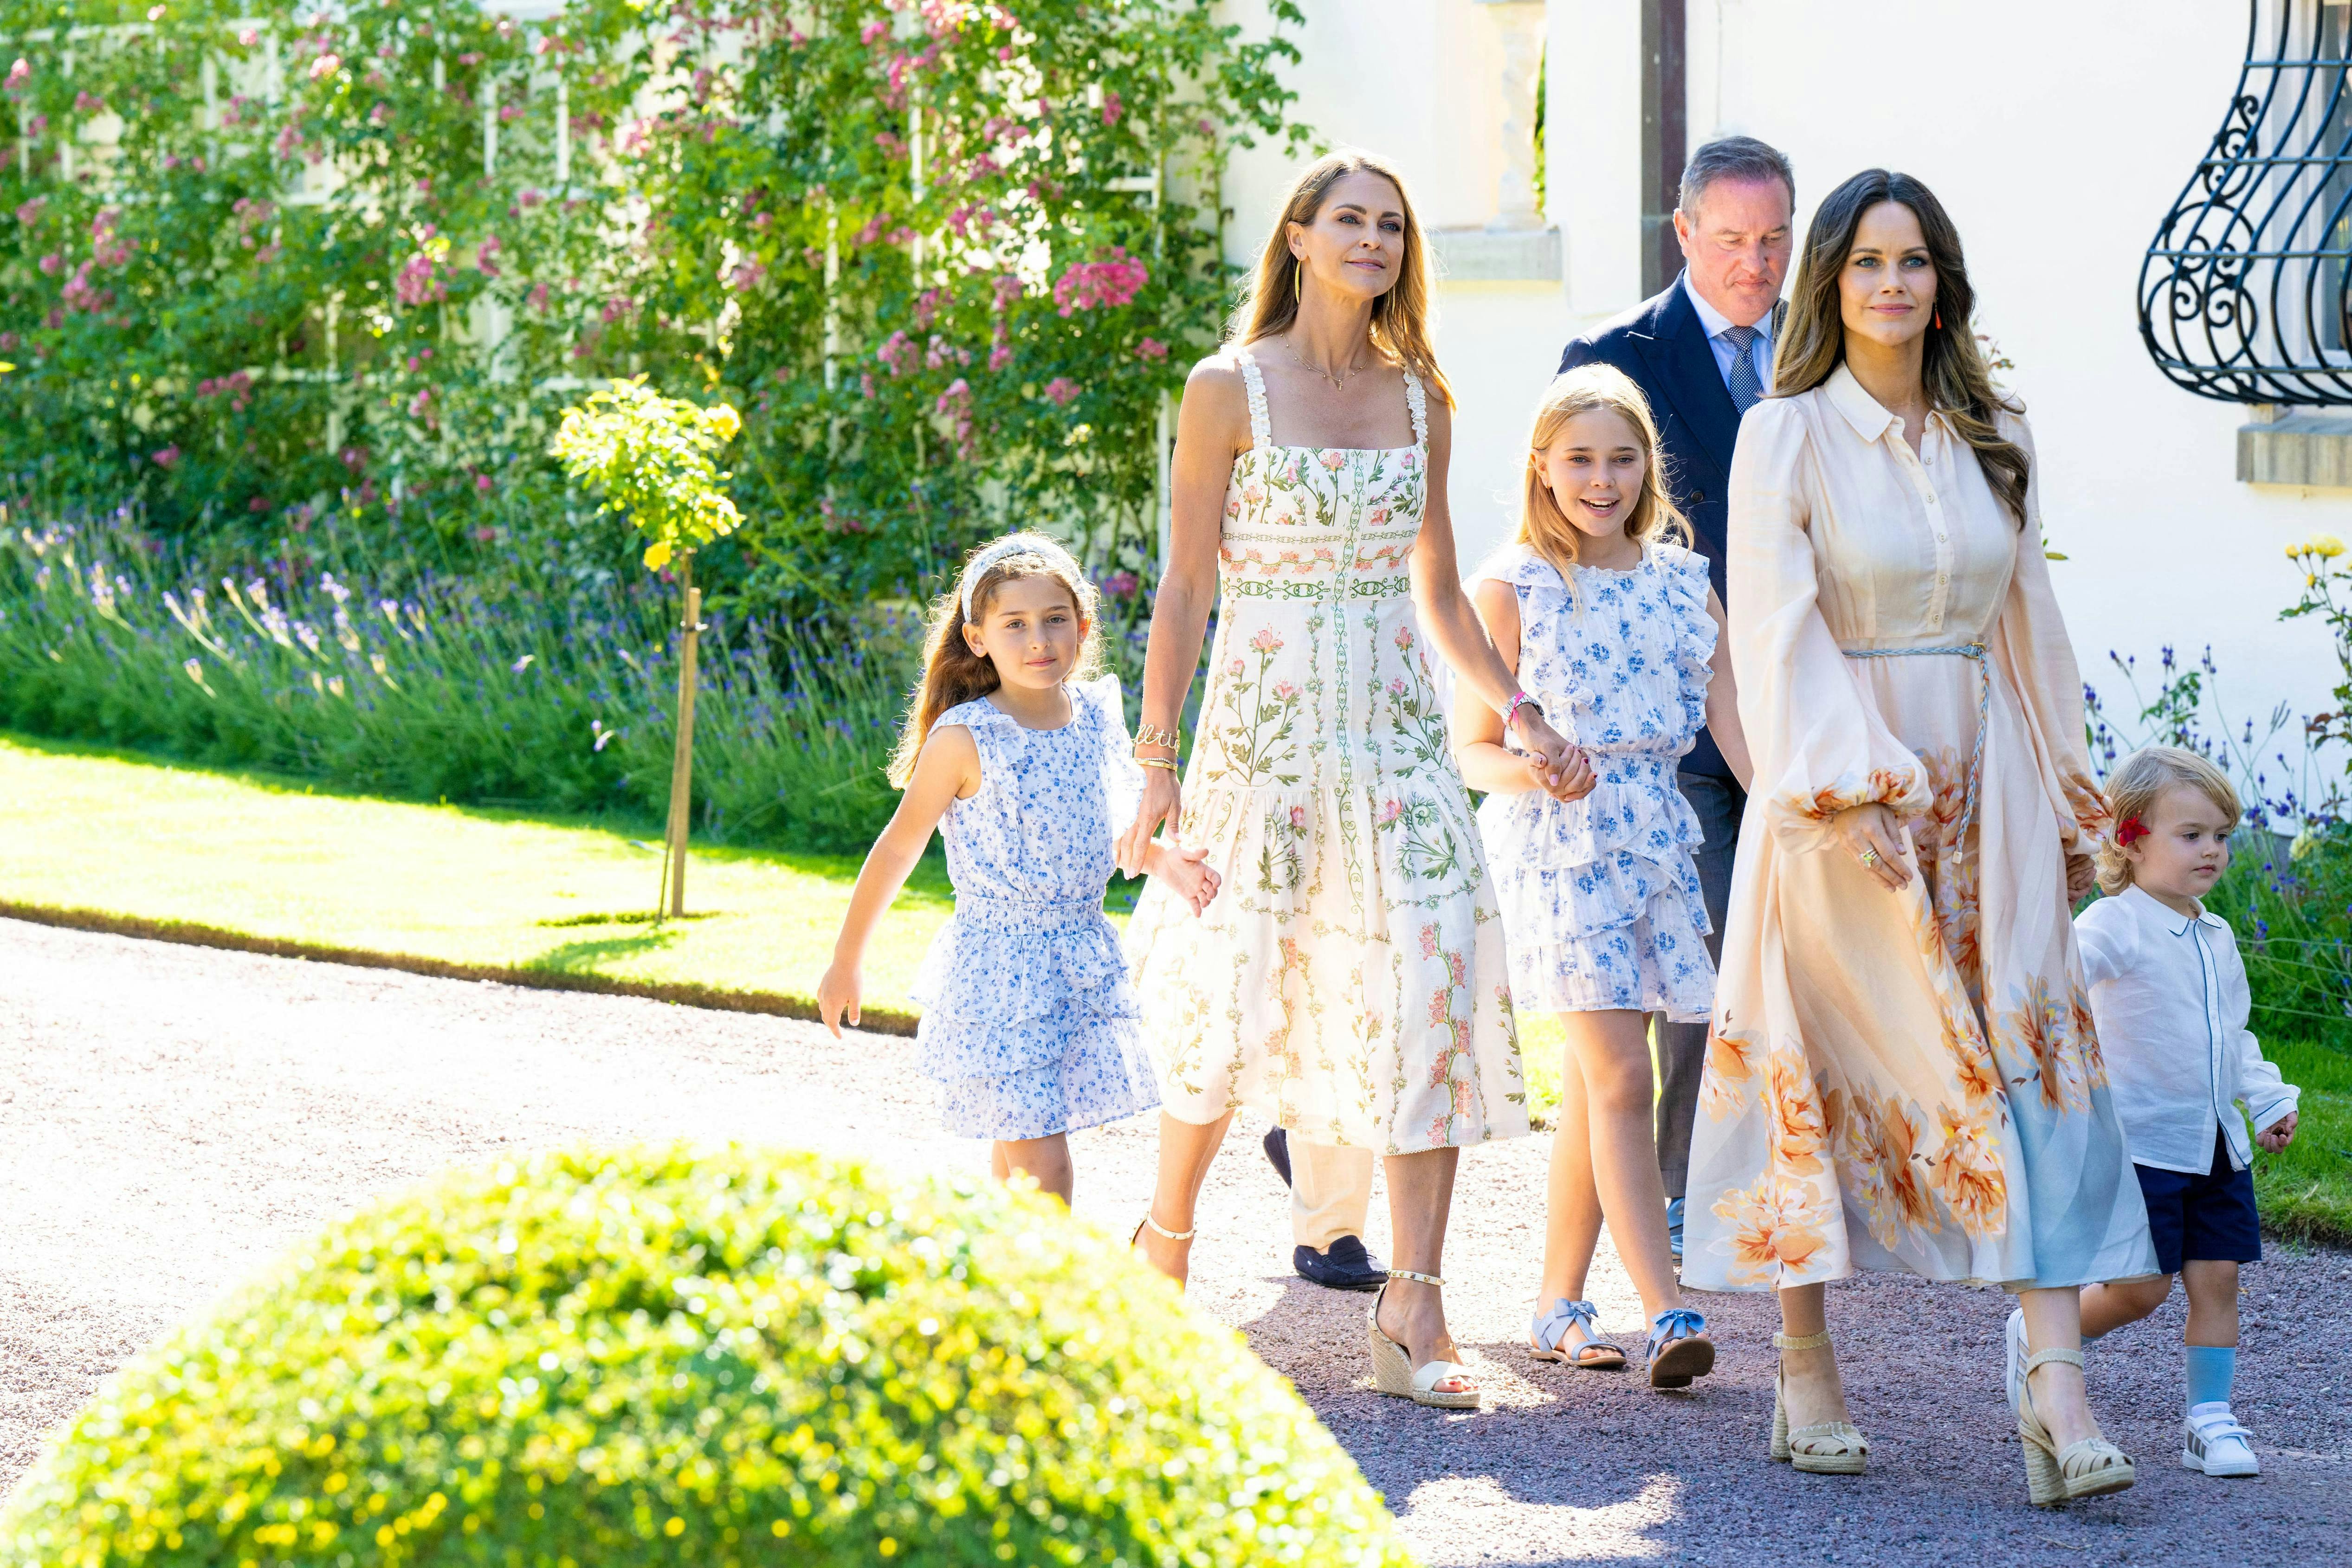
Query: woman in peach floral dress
[(1902, 1072), (1349, 981)]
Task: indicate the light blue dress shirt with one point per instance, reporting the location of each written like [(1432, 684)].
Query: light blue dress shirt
[(1715, 321)]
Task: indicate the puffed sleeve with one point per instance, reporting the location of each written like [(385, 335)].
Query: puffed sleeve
[(1122, 776), (2031, 648), (1817, 738), (2105, 933)]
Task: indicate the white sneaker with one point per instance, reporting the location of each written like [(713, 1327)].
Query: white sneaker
[(2214, 1443), (2013, 1356)]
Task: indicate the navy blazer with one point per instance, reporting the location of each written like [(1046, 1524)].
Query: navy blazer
[(1661, 344)]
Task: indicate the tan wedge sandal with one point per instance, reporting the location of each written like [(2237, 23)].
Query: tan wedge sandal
[(1394, 1373), (1824, 1449), (2092, 1468)]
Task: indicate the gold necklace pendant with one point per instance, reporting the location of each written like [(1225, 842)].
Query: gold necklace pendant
[(1339, 380)]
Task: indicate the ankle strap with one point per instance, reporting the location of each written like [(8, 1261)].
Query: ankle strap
[(2051, 1357), (1418, 1279), (1164, 1233), (1802, 1342)]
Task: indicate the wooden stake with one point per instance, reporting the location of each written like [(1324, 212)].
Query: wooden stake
[(681, 775)]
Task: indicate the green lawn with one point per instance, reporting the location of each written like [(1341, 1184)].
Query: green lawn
[(117, 841)]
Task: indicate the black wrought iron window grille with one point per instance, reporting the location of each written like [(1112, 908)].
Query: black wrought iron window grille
[(2246, 294)]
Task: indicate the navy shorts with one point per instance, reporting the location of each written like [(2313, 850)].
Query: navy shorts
[(2202, 1218)]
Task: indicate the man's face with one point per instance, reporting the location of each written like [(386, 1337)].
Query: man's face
[(1737, 244)]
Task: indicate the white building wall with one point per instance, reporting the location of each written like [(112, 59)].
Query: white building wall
[(2057, 135)]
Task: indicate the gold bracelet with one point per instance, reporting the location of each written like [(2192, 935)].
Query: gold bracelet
[(1152, 735), (1157, 762)]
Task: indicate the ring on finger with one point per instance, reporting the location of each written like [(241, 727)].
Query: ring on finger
[(1870, 857)]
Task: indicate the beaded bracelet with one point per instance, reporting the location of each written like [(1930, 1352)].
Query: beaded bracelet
[(1518, 701), (1152, 735)]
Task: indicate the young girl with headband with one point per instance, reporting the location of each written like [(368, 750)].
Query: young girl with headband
[(1019, 755)]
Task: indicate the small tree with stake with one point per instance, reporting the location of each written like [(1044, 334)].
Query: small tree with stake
[(651, 458)]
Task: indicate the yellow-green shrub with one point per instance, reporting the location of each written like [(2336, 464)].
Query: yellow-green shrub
[(709, 1358)]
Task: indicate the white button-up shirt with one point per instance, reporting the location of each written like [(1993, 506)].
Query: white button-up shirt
[(2169, 995), (1758, 350)]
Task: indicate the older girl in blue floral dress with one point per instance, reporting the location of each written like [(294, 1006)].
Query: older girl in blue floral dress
[(1614, 631), (1024, 765)]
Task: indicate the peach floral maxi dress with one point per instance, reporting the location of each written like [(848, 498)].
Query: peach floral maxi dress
[(1348, 981), (1901, 1080)]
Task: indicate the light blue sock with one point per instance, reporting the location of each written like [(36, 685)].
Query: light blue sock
[(2212, 1367)]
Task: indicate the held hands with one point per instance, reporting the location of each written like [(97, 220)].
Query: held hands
[(1186, 871), (1873, 835), (2081, 875), (1162, 804), (1559, 770), (839, 993), (2278, 1134)]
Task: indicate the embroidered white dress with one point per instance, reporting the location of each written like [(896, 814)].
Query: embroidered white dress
[(1348, 980), (1029, 1025), (1600, 898)]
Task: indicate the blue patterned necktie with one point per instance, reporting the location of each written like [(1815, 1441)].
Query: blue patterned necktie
[(1745, 387)]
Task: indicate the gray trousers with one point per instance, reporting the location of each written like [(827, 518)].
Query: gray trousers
[(1682, 1047)]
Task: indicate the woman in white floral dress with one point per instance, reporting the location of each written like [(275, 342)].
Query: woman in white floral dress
[(1348, 981)]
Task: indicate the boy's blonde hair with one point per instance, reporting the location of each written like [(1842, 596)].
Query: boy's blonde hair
[(2132, 792), (1543, 526), (952, 673)]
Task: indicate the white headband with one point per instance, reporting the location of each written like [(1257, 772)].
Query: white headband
[(1012, 545)]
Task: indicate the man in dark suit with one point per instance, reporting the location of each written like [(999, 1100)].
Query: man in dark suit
[(1702, 354)]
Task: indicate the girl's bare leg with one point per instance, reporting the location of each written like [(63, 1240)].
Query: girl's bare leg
[(1613, 1050), (1572, 1205), (1186, 1149), (1045, 1161)]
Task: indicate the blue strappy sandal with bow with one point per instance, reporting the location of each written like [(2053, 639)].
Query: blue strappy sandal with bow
[(1679, 1349), (1548, 1338)]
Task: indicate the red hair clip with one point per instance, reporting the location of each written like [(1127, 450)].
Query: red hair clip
[(2130, 831)]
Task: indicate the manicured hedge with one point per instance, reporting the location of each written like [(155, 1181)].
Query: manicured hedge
[(709, 1358)]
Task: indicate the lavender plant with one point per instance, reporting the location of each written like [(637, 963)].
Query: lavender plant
[(534, 689)]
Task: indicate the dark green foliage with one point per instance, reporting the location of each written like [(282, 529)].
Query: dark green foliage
[(715, 1357)]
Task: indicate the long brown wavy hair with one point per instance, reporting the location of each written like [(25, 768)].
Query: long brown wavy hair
[(1958, 385), (953, 675), (1400, 317)]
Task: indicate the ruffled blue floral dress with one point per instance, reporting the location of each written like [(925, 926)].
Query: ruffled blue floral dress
[(1028, 1023), (1600, 899)]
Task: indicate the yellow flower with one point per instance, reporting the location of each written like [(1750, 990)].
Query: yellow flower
[(2326, 545), (657, 556), (723, 420)]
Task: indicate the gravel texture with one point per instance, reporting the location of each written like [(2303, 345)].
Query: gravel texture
[(170, 1117)]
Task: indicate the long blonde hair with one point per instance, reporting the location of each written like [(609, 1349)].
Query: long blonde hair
[(1400, 317), (952, 673), (2132, 793), (1958, 384), (1543, 526)]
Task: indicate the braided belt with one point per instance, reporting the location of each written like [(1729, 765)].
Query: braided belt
[(1975, 650)]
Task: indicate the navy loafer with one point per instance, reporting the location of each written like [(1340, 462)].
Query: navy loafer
[(1344, 1266), (1277, 1153)]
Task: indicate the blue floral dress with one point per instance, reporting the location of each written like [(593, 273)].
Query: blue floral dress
[(1600, 899), (1028, 1023)]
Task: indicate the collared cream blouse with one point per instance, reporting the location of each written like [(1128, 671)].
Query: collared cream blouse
[(1903, 1079)]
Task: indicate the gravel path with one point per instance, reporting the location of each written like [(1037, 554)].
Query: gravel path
[(170, 1117)]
